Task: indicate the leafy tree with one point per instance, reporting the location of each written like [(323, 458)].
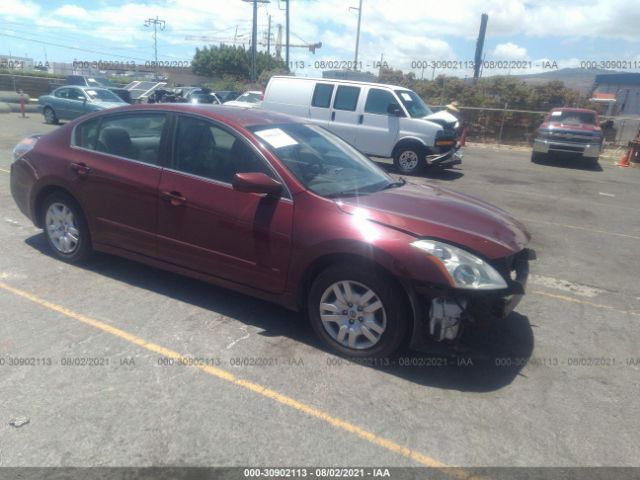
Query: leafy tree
[(233, 61)]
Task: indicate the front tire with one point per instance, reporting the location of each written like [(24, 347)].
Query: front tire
[(538, 157), (410, 160), (66, 228), (358, 312), (50, 116)]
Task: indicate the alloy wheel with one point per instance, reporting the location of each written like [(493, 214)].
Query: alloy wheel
[(353, 315), (62, 228)]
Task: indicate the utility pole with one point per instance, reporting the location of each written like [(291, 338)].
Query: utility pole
[(155, 22), (254, 37), (484, 18), (355, 63), (287, 33), (269, 37)]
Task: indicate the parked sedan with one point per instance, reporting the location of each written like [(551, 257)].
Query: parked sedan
[(69, 102), (250, 99), (276, 208)]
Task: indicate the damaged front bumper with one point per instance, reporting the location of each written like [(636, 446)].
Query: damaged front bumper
[(443, 313), (445, 160)]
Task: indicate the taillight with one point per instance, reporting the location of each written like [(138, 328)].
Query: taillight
[(25, 146)]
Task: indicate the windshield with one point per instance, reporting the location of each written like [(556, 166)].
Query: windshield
[(572, 118), (99, 82), (100, 95), (322, 162), (413, 103)]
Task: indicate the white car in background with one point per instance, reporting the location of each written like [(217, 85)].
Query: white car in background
[(250, 99)]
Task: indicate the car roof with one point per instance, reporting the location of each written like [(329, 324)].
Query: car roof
[(83, 87), (243, 117), (339, 80)]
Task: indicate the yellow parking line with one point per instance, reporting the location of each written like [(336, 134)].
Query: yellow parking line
[(577, 227), (583, 302), (5, 171), (251, 386)]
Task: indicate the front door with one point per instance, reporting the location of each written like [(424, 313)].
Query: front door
[(378, 132), (207, 226)]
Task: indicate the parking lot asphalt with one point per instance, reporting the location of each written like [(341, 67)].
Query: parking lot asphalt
[(555, 384)]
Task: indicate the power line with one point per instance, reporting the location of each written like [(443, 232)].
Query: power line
[(43, 42)]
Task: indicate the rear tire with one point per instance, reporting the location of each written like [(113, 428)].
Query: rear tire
[(410, 160), (50, 116), (65, 228), (377, 314)]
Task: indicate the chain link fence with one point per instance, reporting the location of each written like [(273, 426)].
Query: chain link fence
[(518, 127)]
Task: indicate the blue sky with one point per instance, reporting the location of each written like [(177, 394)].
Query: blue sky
[(403, 32)]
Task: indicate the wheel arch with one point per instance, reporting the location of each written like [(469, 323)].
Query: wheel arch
[(410, 297), (408, 142), (43, 193)]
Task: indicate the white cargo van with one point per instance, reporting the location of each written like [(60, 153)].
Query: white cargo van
[(380, 120)]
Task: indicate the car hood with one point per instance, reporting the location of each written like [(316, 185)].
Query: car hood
[(435, 212), (443, 118)]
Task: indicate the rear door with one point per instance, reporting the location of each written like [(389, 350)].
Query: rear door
[(320, 109), (207, 226), (344, 119), (116, 167), (378, 132)]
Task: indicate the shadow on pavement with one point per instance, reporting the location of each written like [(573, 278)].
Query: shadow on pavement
[(486, 360), (568, 161)]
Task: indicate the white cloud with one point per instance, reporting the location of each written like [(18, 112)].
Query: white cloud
[(18, 9), (401, 31), (509, 51), (71, 11)]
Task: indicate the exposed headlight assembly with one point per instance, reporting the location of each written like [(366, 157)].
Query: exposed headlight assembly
[(466, 270)]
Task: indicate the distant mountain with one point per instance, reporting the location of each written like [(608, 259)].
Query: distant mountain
[(580, 79)]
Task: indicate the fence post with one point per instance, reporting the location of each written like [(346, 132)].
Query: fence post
[(504, 113)]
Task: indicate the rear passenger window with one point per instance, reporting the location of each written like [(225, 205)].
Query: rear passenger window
[(322, 95), (87, 134), (136, 137), (346, 98)]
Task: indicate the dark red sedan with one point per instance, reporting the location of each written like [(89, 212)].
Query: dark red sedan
[(282, 210)]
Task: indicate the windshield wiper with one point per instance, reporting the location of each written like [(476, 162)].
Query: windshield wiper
[(346, 193), (397, 184)]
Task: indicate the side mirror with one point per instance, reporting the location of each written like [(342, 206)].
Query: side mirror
[(256, 182), (394, 109)]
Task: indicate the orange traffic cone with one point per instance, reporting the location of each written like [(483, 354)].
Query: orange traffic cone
[(463, 138), (624, 160)]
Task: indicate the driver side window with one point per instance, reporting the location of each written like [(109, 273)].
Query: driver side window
[(206, 150)]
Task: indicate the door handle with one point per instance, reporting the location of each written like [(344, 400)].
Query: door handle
[(174, 198), (80, 169), (360, 118), (333, 116)]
